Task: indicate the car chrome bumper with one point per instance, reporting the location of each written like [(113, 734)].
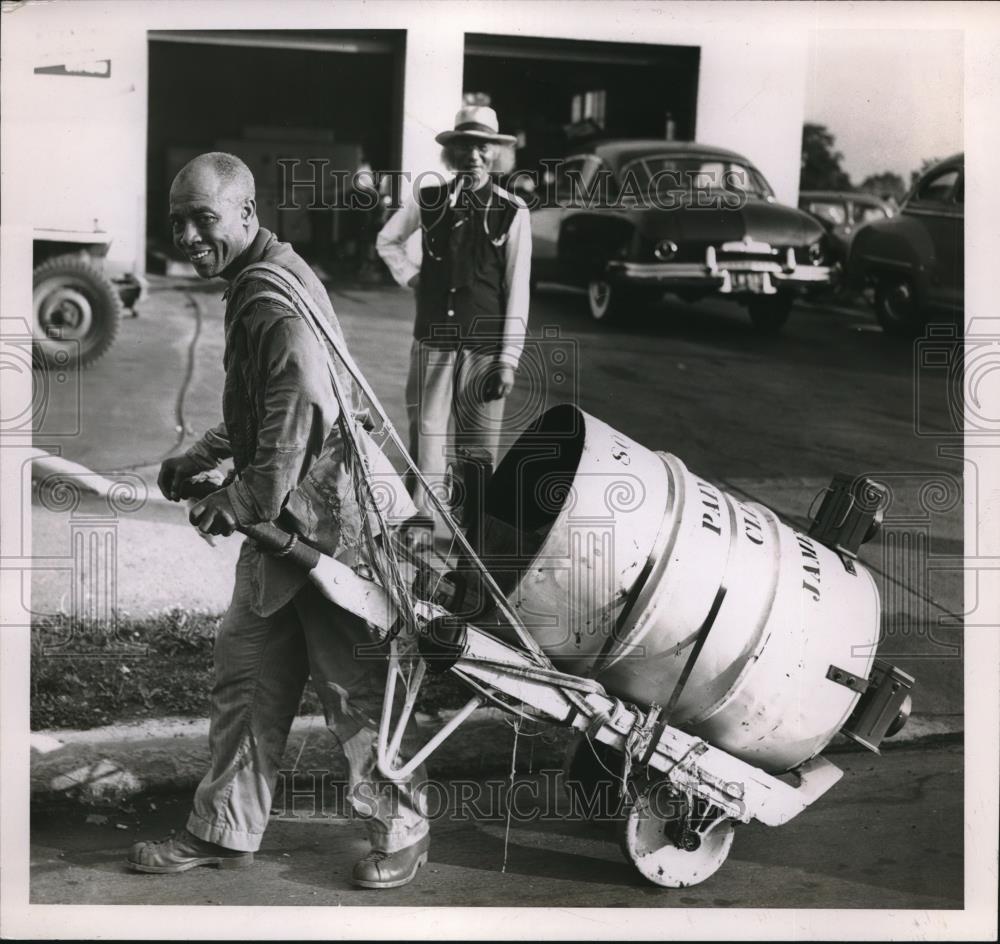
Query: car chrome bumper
[(719, 276)]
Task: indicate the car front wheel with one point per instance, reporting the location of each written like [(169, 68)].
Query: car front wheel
[(896, 308), (607, 301), (769, 313)]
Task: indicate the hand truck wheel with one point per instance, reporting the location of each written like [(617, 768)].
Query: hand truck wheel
[(673, 839)]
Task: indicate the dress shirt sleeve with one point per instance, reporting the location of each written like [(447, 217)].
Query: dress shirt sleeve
[(391, 241), (211, 449), (518, 278), (299, 409)]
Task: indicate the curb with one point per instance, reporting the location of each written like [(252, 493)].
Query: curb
[(45, 466), (110, 764)]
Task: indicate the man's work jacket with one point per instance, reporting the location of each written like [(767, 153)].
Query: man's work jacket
[(281, 424)]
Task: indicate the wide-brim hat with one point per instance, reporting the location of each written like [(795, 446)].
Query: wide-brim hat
[(478, 122)]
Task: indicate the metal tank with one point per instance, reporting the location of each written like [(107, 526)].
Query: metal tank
[(627, 567)]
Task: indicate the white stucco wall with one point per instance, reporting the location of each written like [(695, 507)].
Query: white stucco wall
[(80, 145), (751, 98), (751, 88), (751, 85), (85, 145)]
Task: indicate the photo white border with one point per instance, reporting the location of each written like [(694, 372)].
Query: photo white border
[(19, 919)]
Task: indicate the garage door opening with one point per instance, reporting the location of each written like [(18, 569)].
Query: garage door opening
[(551, 93), (331, 95)]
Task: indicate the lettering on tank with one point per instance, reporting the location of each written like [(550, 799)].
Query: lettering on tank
[(811, 579), (753, 528), (711, 514)]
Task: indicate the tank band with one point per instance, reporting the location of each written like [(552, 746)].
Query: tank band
[(663, 537), (713, 613)]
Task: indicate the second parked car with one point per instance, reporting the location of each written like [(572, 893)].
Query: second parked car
[(631, 220), (842, 212), (915, 262)]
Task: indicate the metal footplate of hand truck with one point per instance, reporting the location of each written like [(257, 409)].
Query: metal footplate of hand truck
[(754, 793), (745, 792)]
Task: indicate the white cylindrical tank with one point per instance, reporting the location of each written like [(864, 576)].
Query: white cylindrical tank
[(627, 567)]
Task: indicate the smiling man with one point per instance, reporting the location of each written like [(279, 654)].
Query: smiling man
[(281, 426), (213, 214)]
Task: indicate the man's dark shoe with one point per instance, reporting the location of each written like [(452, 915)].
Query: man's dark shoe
[(391, 869), (182, 852)]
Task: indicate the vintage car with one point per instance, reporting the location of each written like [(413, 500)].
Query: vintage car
[(915, 262), (842, 212), (631, 220)]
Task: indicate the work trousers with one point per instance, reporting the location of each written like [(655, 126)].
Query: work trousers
[(261, 666), (446, 410)]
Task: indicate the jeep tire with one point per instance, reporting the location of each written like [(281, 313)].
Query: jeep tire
[(75, 312)]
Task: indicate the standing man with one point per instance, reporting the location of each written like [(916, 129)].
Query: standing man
[(472, 297), (280, 413)]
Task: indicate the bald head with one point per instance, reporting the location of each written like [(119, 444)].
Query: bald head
[(213, 212), (225, 172)]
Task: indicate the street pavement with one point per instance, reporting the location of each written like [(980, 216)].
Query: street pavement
[(888, 836), (769, 419)]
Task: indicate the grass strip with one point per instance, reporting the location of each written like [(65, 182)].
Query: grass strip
[(89, 674)]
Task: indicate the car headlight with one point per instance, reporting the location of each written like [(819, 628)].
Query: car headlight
[(817, 253), (665, 250)]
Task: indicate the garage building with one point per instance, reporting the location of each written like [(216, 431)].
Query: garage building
[(346, 83)]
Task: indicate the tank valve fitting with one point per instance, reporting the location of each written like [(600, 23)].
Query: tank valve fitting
[(883, 708), (850, 514)]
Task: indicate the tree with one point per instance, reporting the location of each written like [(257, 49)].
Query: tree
[(885, 185), (821, 168)]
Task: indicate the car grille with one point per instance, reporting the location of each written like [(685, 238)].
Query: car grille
[(695, 252), (737, 259)]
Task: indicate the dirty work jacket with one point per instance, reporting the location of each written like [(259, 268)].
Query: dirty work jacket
[(279, 409)]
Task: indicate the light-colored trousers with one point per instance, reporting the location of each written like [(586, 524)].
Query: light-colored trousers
[(261, 666), (446, 410)]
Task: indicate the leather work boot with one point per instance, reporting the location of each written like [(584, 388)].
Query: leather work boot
[(182, 852), (391, 869)]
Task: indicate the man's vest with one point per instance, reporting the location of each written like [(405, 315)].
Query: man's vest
[(462, 295)]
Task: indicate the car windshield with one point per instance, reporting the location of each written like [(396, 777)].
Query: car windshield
[(828, 210), (936, 188), (666, 173)]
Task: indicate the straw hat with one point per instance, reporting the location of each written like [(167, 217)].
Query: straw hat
[(479, 122)]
